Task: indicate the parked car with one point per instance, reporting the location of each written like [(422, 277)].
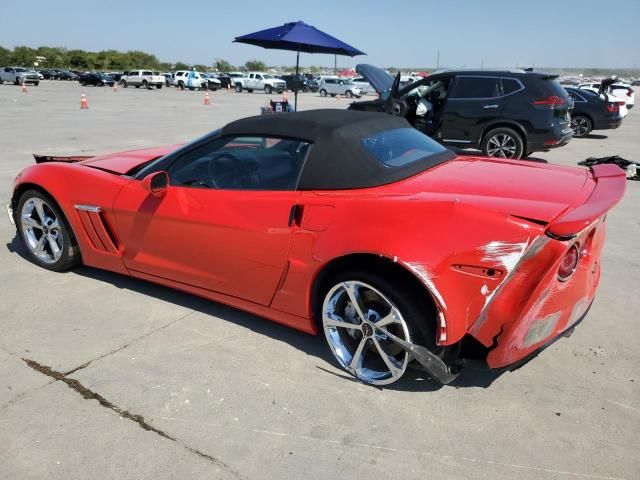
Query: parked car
[(309, 219), (364, 86), (19, 76), (142, 78), (213, 83), (66, 75), (622, 91), (190, 79), (226, 79), (96, 79), (168, 78), (591, 112), (299, 83), (338, 86), (259, 81), (506, 114)]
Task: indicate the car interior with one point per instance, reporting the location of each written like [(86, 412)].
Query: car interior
[(242, 164)]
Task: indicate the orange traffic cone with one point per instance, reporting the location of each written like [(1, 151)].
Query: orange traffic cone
[(115, 86), (83, 103), (284, 96), (24, 88), (206, 99), (338, 96)]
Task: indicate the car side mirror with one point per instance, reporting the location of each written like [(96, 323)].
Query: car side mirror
[(156, 183)]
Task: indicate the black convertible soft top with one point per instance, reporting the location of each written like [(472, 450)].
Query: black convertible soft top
[(337, 159)]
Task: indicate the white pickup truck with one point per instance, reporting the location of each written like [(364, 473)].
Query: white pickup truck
[(259, 81), (18, 75), (142, 78)]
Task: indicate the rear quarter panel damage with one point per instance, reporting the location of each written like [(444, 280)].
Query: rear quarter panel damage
[(460, 253)]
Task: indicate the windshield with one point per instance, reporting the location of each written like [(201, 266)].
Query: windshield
[(21, 69), (266, 75), (401, 147)]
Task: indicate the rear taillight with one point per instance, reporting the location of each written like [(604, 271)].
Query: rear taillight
[(568, 263), (629, 93), (551, 102), (613, 107), (621, 103)]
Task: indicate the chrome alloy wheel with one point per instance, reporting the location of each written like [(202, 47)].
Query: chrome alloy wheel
[(356, 319), (41, 230), (580, 126), (502, 145)]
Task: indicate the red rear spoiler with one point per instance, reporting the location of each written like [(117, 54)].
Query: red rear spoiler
[(51, 158), (610, 182)]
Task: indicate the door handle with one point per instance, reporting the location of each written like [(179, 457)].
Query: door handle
[(490, 106), (295, 215)]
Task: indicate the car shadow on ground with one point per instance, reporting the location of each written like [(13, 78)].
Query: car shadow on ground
[(594, 136), (414, 380), (478, 153)]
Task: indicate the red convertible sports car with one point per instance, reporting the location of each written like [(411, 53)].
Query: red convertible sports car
[(352, 224)]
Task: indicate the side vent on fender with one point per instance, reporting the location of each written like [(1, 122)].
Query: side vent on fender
[(96, 229)]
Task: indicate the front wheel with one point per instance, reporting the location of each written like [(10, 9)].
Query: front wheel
[(581, 126), (362, 312), (348, 94), (146, 85), (238, 88), (323, 93), (268, 89), (124, 84), (503, 142), (46, 232)]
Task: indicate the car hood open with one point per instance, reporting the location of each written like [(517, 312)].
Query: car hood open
[(380, 80)]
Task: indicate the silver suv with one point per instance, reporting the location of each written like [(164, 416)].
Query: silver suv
[(338, 86)]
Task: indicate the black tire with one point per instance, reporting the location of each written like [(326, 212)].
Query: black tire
[(502, 142), (191, 89), (268, 89), (100, 84), (124, 84), (70, 250), (250, 90), (83, 84), (348, 94), (418, 312), (581, 125), (146, 85), (137, 86), (36, 84), (238, 88), (181, 85), (323, 92), (159, 86)]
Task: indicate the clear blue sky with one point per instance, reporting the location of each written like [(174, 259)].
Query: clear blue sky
[(502, 33)]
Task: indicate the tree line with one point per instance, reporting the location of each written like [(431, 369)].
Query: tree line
[(112, 60)]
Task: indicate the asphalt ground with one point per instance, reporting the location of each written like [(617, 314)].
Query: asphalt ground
[(166, 385)]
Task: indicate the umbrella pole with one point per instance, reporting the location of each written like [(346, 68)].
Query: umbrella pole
[(297, 84)]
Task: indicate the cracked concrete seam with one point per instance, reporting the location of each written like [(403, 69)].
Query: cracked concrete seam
[(89, 394)]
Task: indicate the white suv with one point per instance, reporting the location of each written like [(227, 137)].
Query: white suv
[(142, 78), (338, 86), (190, 79)]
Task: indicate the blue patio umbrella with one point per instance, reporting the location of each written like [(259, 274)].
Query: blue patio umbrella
[(299, 37)]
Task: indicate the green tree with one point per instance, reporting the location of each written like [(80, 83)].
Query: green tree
[(5, 56), (257, 65), (181, 66), (222, 65), (23, 56)]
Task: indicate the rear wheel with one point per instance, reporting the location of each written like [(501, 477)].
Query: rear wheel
[(146, 85), (581, 126), (124, 84), (238, 88), (502, 142), (46, 232), (360, 310), (268, 89), (348, 94), (323, 93)]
